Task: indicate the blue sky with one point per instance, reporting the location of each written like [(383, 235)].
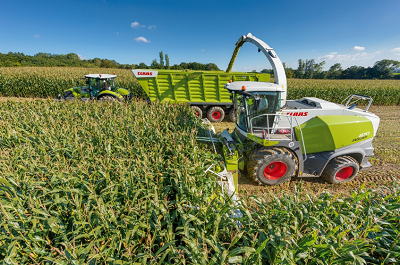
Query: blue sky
[(130, 32)]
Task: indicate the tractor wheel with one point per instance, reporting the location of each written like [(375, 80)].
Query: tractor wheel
[(340, 169), (197, 111), (107, 98), (271, 166), (232, 115), (215, 114)]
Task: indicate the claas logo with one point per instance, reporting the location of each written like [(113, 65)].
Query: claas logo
[(297, 113), (145, 73)]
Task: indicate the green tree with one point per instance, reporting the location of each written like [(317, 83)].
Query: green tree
[(161, 65), (155, 64), (212, 67), (334, 71), (167, 61), (106, 64), (142, 66), (383, 68)]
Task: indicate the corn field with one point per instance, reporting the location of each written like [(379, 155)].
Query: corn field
[(49, 82), (383, 92), (100, 183)]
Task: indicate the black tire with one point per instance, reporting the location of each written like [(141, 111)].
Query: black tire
[(340, 169), (197, 111), (271, 166), (232, 115), (215, 114), (107, 98)]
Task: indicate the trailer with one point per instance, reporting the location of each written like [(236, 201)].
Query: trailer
[(203, 90)]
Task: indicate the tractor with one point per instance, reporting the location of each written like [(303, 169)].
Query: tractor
[(98, 86)]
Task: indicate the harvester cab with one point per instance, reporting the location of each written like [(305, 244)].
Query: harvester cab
[(100, 87), (276, 139)]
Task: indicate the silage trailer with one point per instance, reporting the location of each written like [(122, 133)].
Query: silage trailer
[(203, 90)]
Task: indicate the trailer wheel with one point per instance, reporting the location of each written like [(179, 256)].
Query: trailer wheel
[(340, 169), (271, 166), (232, 115), (197, 111), (215, 114)]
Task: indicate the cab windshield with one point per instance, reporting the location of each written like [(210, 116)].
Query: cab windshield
[(263, 103), (248, 107), (101, 84)]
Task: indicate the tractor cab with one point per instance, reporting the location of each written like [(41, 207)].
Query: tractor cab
[(253, 99), (100, 87), (100, 82)]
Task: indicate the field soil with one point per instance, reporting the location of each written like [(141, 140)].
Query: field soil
[(385, 163)]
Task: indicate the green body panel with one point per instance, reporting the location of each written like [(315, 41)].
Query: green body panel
[(123, 91), (261, 141), (109, 92), (231, 164), (182, 86), (328, 133), (78, 92)]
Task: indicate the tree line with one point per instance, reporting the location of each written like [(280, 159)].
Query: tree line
[(15, 59), (309, 69)]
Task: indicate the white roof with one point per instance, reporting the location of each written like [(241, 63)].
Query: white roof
[(252, 86), (101, 76)]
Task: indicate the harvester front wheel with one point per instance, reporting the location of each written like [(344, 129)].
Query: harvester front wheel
[(232, 115), (197, 111), (271, 166), (215, 114), (340, 169)]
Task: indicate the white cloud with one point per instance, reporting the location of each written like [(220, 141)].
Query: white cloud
[(138, 25), (396, 51), (327, 57), (36, 37), (143, 39), (117, 33), (203, 50), (357, 48), (135, 24), (81, 57)]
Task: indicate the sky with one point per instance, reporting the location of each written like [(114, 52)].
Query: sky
[(350, 32)]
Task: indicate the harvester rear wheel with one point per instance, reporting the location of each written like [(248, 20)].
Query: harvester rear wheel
[(232, 115), (271, 166), (340, 169), (197, 111), (215, 114)]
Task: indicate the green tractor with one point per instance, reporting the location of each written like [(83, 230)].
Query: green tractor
[(98, 86)]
